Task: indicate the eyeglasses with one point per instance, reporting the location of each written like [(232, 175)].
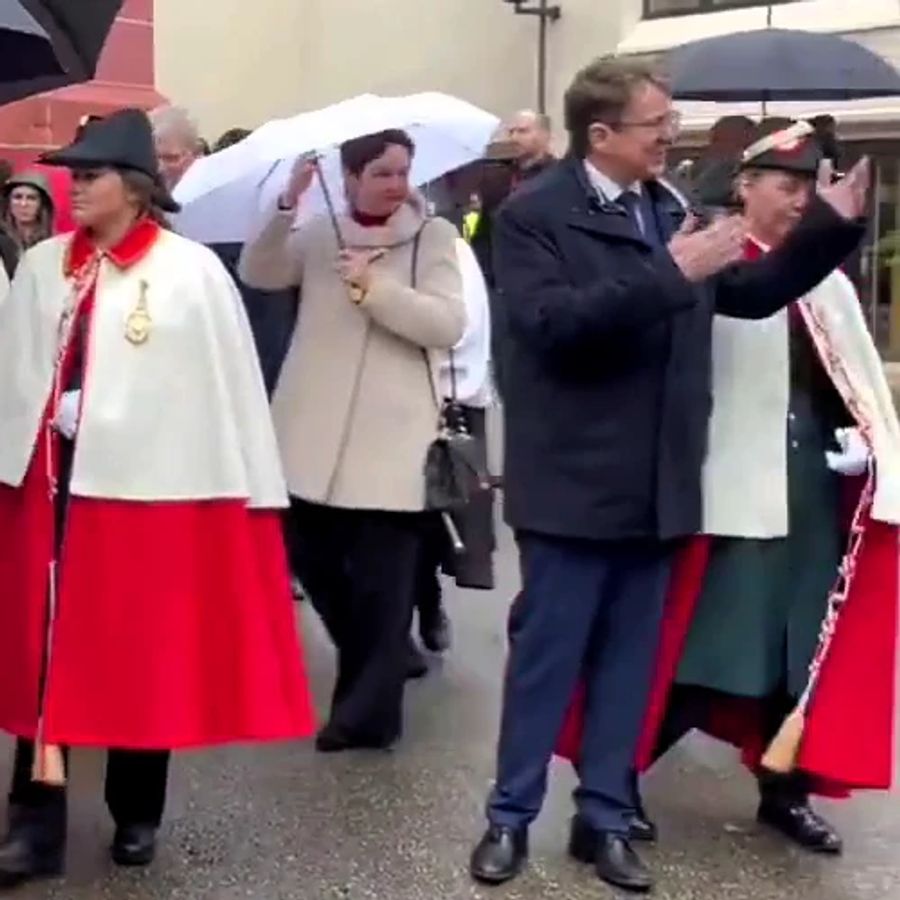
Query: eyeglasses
[(670, 122)]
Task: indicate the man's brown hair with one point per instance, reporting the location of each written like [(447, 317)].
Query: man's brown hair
[(601, 92)]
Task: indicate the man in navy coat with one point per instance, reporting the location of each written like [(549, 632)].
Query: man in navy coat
[(608, 296)]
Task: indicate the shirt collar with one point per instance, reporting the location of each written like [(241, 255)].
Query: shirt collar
[(604, 185)]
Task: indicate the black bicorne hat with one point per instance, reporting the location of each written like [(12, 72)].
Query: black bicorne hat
[(792, 149), (123, 140)]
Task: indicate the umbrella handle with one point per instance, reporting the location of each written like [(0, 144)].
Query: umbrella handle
[(329, 203)]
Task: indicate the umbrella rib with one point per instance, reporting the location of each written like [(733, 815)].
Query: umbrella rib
[(66, 51)]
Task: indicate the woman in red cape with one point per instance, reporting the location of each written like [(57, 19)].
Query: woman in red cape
[(146, 603), (791, 597)]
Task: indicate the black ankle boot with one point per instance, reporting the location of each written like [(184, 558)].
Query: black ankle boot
[(416, 665), (435, 630), (35, 844), (784, 805)]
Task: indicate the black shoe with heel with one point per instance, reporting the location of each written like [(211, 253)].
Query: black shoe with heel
[(784, 805), (134, 845)]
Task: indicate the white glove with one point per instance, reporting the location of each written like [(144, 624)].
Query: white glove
[(66, 422), (853, 457)]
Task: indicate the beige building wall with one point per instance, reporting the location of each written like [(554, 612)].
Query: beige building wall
[(241, 62)]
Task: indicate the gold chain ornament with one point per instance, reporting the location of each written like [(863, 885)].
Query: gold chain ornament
[(139, 323)]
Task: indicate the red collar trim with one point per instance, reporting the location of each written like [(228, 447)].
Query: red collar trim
[(130, 250)]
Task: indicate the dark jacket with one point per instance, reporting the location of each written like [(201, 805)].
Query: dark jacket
[(607, 355), (272, 316), (9, 254)]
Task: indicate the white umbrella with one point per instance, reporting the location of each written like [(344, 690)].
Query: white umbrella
[(221, 194)]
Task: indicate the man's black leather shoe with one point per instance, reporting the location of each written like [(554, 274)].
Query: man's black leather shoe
[(584, 836), (611, 854), (134, 845), (500, 855)]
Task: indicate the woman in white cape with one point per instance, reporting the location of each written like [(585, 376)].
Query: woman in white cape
[(146, 603)]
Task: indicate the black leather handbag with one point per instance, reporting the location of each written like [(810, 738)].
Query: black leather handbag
[(453, 464)]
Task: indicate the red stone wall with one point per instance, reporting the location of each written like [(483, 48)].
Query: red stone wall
[(125, 77)]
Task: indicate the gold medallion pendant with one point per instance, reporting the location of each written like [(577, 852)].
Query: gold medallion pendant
[(139, 323)]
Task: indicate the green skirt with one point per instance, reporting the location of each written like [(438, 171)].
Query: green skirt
[(760, 610)]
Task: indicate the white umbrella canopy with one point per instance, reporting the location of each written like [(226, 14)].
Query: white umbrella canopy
[(221, 194)]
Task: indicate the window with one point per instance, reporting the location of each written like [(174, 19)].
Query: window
[(655, 9)]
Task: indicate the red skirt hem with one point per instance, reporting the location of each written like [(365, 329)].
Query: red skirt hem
[(848, 739), (176, 626)]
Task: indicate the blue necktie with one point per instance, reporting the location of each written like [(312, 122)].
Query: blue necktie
[(640, 208)]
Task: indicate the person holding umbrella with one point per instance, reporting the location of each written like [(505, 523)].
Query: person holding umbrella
[(356, 408), (146, 603)]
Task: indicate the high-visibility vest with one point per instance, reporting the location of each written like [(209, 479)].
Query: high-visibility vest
[(471, 221)]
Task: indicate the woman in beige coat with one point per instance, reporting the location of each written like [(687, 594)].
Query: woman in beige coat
[(356, 409)]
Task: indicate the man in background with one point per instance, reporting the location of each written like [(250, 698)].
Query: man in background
[(531, 135), (177, 142)]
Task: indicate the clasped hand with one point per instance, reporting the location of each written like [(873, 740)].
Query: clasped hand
[(700, 254), (354, 267)]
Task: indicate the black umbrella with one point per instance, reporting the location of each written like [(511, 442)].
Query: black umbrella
[(46, 44), (779, 64)]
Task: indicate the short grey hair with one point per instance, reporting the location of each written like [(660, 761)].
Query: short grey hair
[(542, 120), (177, 122)]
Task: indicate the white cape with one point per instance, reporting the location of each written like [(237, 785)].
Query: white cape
[(183, 416), (745, 476)]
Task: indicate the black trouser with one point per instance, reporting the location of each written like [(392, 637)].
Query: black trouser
[(135, 784), (432, 559), (360, 569)]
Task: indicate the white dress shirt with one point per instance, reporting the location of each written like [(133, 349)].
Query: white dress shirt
[(472, 354), (611, 191)]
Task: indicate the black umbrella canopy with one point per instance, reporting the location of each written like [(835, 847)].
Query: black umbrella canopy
[(779, 64), (46, 44)]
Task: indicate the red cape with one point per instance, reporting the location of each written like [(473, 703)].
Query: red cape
[(176, 624), (848, 740)]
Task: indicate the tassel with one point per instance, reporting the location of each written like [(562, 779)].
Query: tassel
[(781, 756), (49, 765)]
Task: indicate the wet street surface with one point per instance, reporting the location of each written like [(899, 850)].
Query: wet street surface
[(283, 823)]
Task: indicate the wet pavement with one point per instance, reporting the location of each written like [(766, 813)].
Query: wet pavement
[(281, 823)]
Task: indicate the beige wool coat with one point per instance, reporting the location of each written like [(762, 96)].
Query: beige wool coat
[(355, 407)]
